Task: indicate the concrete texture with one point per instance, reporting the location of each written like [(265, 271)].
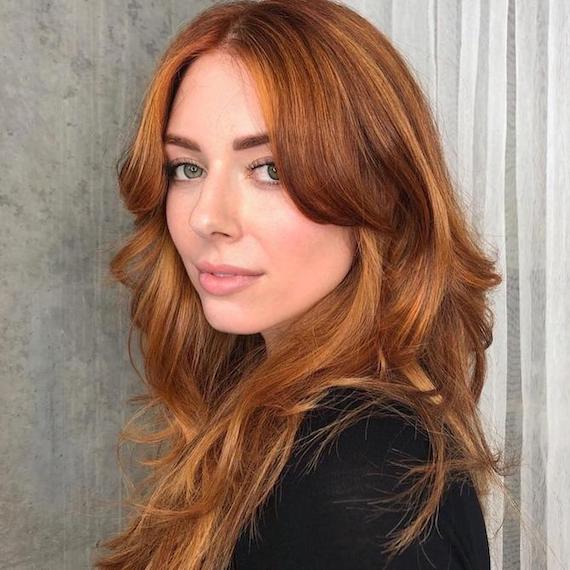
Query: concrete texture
[(73, 75)]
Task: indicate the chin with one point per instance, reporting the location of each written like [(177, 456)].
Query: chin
[(231, 326)]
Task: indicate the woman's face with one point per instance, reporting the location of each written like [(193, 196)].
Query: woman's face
[(219, 211)]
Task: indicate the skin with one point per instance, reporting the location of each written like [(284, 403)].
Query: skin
[(223, 213)]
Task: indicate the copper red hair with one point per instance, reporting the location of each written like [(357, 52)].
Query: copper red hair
[(356, 145)]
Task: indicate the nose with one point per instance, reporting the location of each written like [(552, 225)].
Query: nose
[(216, 206)]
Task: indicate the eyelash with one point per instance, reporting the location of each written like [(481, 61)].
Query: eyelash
[(174, 164)]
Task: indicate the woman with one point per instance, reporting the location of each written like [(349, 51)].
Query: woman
[(302, 275)]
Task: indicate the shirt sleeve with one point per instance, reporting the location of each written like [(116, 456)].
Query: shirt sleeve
[(328, 518)]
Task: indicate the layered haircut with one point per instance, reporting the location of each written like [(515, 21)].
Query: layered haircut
[(356, 145)]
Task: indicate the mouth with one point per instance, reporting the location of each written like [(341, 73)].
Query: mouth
[(225, 283), (220, 274), (224, 269)]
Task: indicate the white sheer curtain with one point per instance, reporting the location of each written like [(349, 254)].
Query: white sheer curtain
[(498, 78)]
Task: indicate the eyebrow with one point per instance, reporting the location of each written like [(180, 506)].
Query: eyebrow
[(241, 143)]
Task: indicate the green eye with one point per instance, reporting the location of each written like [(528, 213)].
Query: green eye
[(189, 169), (192, 171), (272, 168)]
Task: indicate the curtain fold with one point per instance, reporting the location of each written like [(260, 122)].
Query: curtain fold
[(498, 78)]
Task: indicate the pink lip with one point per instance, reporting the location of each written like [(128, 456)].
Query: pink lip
[(225, 285), (206, 267)]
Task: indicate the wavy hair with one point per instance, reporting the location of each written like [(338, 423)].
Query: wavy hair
[(410, 322)]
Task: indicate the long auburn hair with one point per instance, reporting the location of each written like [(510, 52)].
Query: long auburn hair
[(356, 145)]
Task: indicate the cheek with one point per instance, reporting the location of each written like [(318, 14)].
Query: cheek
[(288, 240), (307, 259), (177, 221)]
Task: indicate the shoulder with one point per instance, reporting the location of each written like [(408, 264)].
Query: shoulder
[(364, 460), (329, 516), (367, 441)]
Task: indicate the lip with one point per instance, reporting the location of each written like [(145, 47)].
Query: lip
[(206, 267), (225, 285)]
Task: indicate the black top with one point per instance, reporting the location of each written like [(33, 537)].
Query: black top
[(323, 519)]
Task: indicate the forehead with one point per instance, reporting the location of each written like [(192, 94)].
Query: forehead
[(217, 91)]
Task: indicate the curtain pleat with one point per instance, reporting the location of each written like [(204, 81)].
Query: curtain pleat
[(497, 74)]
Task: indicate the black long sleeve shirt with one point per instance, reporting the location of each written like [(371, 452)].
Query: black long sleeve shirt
[(325, 519)]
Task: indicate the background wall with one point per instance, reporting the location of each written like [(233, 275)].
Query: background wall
[(73, 77)]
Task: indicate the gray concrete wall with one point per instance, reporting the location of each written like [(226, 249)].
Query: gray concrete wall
[(73, 75)]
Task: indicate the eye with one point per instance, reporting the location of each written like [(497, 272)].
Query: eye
[(191, 170), (272, 170)]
